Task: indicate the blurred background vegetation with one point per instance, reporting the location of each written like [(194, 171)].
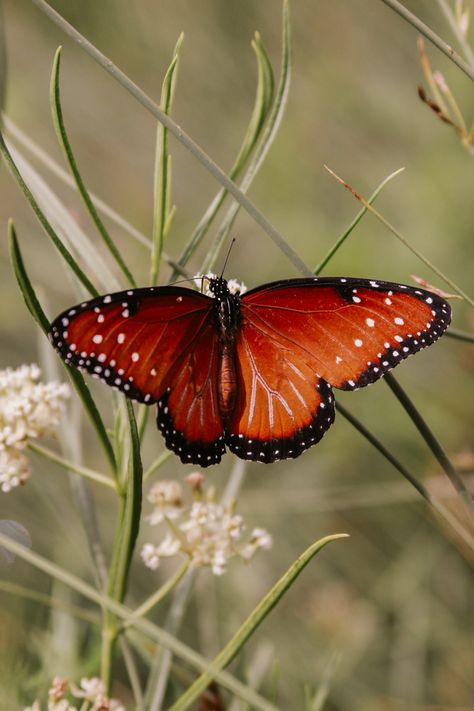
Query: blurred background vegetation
[(384, 619)]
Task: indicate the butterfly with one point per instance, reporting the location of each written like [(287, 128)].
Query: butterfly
[(252, 372)]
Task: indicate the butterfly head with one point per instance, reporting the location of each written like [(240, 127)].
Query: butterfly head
[(218, 287)]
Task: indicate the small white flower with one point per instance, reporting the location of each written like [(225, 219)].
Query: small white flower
[(167, 498), (61, 705), (89, 688), (35, 707), (210, 534), (259, 538), (234, 286), (14, 468), (28, 409), (151, 554)]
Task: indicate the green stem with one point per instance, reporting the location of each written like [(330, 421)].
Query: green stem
[(253, 621), (162, 172), (128, 521), (430, 35), (436, 505), (460, 335), (39, 316), (269, 132), (430, 439), (77, 468), (159, 461), (384, 452), (161, 593)]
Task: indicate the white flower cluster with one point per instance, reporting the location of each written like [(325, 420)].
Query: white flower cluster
[(28, 409), (234, 286), (91, 692), (209, 533)]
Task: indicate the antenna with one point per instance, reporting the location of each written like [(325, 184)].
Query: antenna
[(227, 256)]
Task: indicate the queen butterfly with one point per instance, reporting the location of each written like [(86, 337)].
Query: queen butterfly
[(254, 371)]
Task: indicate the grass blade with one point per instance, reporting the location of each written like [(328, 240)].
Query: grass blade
[(263, 100), (340, 241), (430, 35), (128, 523), (402, 239), (40, 317), (265, 142), (430, 439), (162, 173), (252, 622), (62, 249), (58, 121)]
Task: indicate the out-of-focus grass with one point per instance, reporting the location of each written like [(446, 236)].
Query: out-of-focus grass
[(393, 602)]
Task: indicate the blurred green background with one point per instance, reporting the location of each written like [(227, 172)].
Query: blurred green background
[(385, 617)]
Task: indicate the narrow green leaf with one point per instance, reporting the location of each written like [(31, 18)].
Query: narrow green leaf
[(162, 173), (58, 121), (40, 317), (340, 241), (64, 252), (3, 65), (264, 143), (255, 618), (460, 335), (430, 439), (262, 105)]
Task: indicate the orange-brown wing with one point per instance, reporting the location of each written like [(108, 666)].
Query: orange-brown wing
[(156, 345), (300, 337), (283, 406), (351, 330)]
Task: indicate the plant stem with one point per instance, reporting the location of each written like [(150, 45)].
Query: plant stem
[(430, 35), (385, 452), (77, 468), (466, 47), (430, 440)]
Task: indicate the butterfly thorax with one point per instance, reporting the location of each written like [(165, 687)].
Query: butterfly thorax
[(227, 315)]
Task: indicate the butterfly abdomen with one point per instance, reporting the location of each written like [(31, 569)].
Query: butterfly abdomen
[(227, 383)]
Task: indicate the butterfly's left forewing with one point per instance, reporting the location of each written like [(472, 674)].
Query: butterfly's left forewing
[(156, 345)]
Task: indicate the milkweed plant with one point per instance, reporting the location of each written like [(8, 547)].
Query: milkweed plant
[(188, 525)]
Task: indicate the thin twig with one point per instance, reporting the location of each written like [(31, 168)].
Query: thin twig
[(466, 47), (430, 440), (402, 239), (429, 34)]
